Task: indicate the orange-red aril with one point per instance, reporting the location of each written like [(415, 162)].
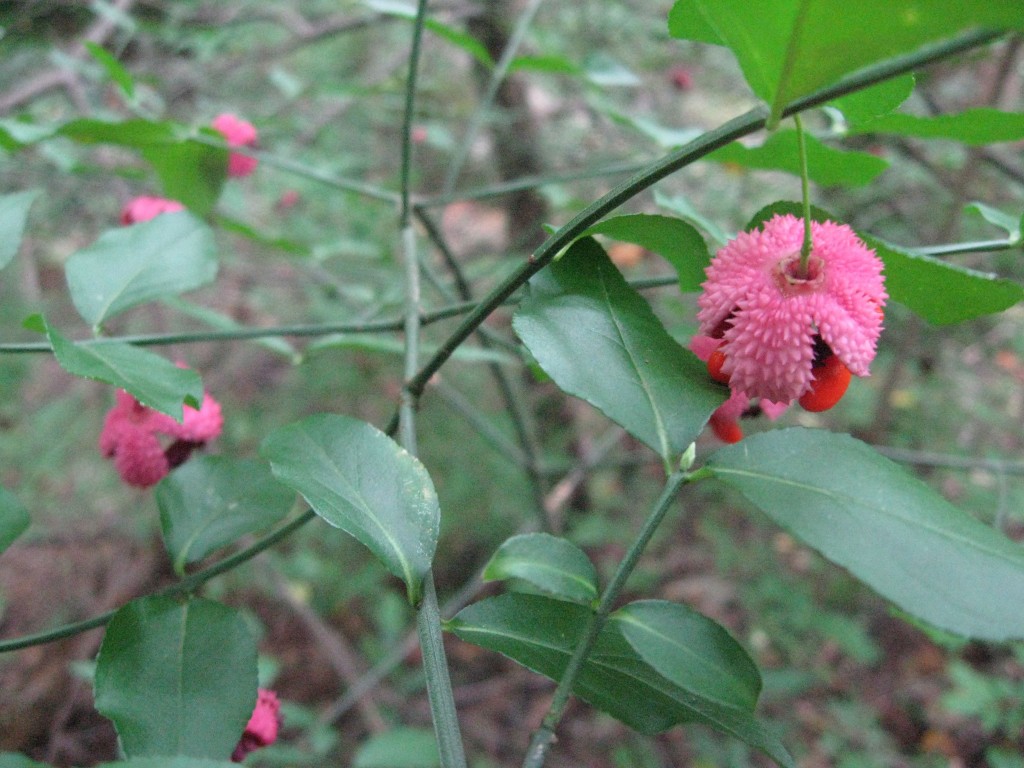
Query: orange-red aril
[(831, 379), (715, 363), (726, 430)]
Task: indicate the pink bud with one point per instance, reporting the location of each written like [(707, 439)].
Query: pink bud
[(145, 208), (237, 133)]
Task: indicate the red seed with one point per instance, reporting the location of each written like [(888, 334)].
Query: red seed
[(726, 430), (715, 363), (831, 379)]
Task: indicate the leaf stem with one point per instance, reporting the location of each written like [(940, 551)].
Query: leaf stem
[(301, 169), (428, 615), (245, 333), (689, 153), (545, 735), (805, 197), (186, 585)]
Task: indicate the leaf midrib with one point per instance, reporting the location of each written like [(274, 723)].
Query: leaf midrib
[(846, 501), (659, 424)]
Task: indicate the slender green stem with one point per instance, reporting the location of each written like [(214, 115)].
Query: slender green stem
[(696, 149), (805, 196), (243, 333), (701, 146), (531, 182), (428, 615), (407, 415), (410, 113), (545, 735), (439, 685), (301, 169), (976, 246), (521, 421), (186, 585)]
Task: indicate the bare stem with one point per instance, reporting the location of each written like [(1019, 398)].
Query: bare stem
[(545, 735), (805, 196)]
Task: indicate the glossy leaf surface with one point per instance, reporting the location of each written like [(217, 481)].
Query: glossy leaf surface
[(190, 172), (551, 564), (974, 126), (827, 165), (14, 518), (790, 48), (128, 266), (113, 67), (690, 650), (1011, 224), (672, 239), (151, 379), (13, 215), (940, 292), (885, 526), (211, 501), (360, 480), (599, 340), (177, 677), (869, 103), (540, 633)]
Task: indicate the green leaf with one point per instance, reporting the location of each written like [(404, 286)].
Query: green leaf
[(125, 267), (456, 37), (223, 322), (790, 48), (14, 518), (190, 172), (599, 340), (1011, 224), (115, 71), (826, 165), (18, 133), (551, 564), (399, 748), (212, 501), (13, 215), (673, 239), (781, 208), (880, 99), (974, 126), (602, 69), (177, 677), (154, 381), (691, 651), (136, 134), (941, 293), (683, 208), (368, 342), (667, 137), (885, 526), (545, 63), (540, 633), (360, 480)]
